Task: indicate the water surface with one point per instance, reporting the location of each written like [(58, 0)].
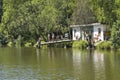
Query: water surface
[(58, 64)]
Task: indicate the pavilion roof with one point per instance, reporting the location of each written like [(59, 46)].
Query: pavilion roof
[(84, 25)]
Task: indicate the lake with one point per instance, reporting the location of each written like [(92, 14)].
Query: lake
[(58, 64)]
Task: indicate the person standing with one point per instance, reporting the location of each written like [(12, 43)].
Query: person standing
[(53, 37), (39, 42), (87, 37), (48, 37)]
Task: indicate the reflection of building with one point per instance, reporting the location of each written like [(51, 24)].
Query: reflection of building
[(99, 65), (95, 30)]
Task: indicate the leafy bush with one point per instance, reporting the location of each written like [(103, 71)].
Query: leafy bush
[(10, 44), (43, 46), (82, 44), (19, 41), (105, 45), (116, 34), (35, 45), (28, 44)]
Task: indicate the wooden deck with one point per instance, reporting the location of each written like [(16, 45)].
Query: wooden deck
[(58, 41)]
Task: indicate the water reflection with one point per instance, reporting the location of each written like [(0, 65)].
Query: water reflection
[(94, 64), (58, 63), (99, 65)]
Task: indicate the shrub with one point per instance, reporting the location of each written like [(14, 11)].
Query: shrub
[(115, 37), (106, 45), (82, 44), (28, 44), (35, 45), (43, 46), (10, 44), (19, 41)]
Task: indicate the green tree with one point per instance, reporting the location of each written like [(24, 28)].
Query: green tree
[(34, 18), (104, 11), (83, 13), (66, 8), (116, 34), (1, 11), (9, 13)]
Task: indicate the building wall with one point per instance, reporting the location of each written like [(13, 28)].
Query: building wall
[(76, 33), (96, 32)]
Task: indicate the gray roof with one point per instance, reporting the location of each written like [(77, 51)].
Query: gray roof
[(84, 25)]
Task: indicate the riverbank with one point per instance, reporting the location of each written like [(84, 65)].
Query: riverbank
[(101, 45), (80, 44)]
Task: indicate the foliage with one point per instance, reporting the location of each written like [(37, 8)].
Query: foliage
[(116, 34), (35, 45), (28, 44), (1, 11), (83, 13), (108, 12), (19, 41), (34, 18), (104, 10), (105, 45), (75, 44), (82, 44), (3, 39), (10, 44)]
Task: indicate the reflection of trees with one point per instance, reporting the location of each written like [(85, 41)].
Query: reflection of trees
[(10, 55), (112, 65), (38, 55), (93, 64), (55, 58)]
